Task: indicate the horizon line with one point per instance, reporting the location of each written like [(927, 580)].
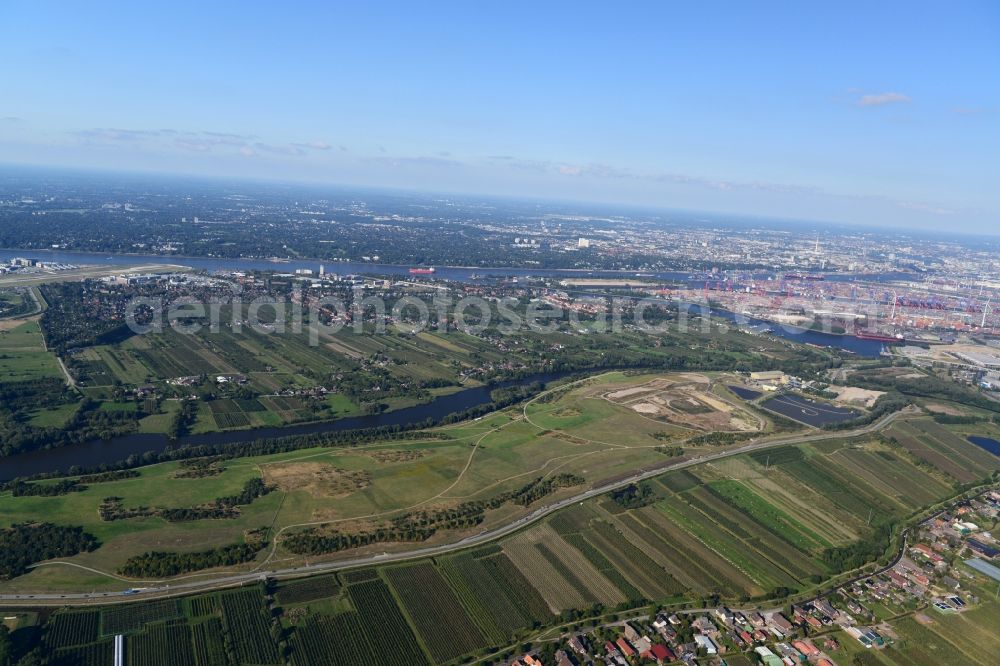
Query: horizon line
[(646, 208)]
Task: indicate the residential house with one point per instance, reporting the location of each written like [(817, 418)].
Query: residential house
[(780, 622), (662, 654), (706, 643), (624, 647)]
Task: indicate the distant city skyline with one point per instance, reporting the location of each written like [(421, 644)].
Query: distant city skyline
[(885, 115)]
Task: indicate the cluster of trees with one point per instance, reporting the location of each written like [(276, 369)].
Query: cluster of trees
[(188, 514), (252, 489), (200, 468), (160, 564), (18, 399), (104, 477), (539, 488), (313, 541), (22, 488), (722, 438), (112, 509), (222, 507), (24, 544), (958, 419), (670, 451), (928, 386), (634, 496), (6, 646), (509, 395), (859, 553), (892, 401), (183, 419), (466, 514)]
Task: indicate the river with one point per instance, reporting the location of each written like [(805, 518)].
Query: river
[(863, 348), (98, 452), (457, 273)]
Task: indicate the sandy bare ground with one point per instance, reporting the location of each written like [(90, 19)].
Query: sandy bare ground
[(317, 478), (9, 324), (855, 395), (715, 403), (944, 409), (624, 393)]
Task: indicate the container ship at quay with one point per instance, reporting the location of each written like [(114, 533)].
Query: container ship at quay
[(878, 337)]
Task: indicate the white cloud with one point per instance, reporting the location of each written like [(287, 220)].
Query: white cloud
[(421, 161), (925, 207), (279, 149), (881, 99), (314, 145)]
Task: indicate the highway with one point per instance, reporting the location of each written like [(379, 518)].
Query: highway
[(165, 589)]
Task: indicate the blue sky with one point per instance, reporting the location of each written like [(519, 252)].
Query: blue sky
[(883, 113)]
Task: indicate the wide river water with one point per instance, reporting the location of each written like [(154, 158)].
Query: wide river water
[(459, 273), (97, 452)]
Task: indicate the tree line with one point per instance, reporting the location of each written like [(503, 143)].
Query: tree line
[(24, 544), (112, 508), (161, 565)]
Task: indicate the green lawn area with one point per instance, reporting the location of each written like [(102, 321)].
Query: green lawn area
[(23, 336), (19, 366), (23, 356), (341, 405), (55, 417)]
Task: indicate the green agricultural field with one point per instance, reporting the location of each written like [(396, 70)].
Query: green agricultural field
[(741, 525), (944, 449), (273, 365), (700, 535), (22, 353)]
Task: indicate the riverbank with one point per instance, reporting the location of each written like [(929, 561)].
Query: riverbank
[(117, 450)]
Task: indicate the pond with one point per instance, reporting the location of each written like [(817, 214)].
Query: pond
[(810, 412), (745, 393), (991, 445)]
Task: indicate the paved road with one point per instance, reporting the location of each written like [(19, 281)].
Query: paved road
[(160, 590)]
